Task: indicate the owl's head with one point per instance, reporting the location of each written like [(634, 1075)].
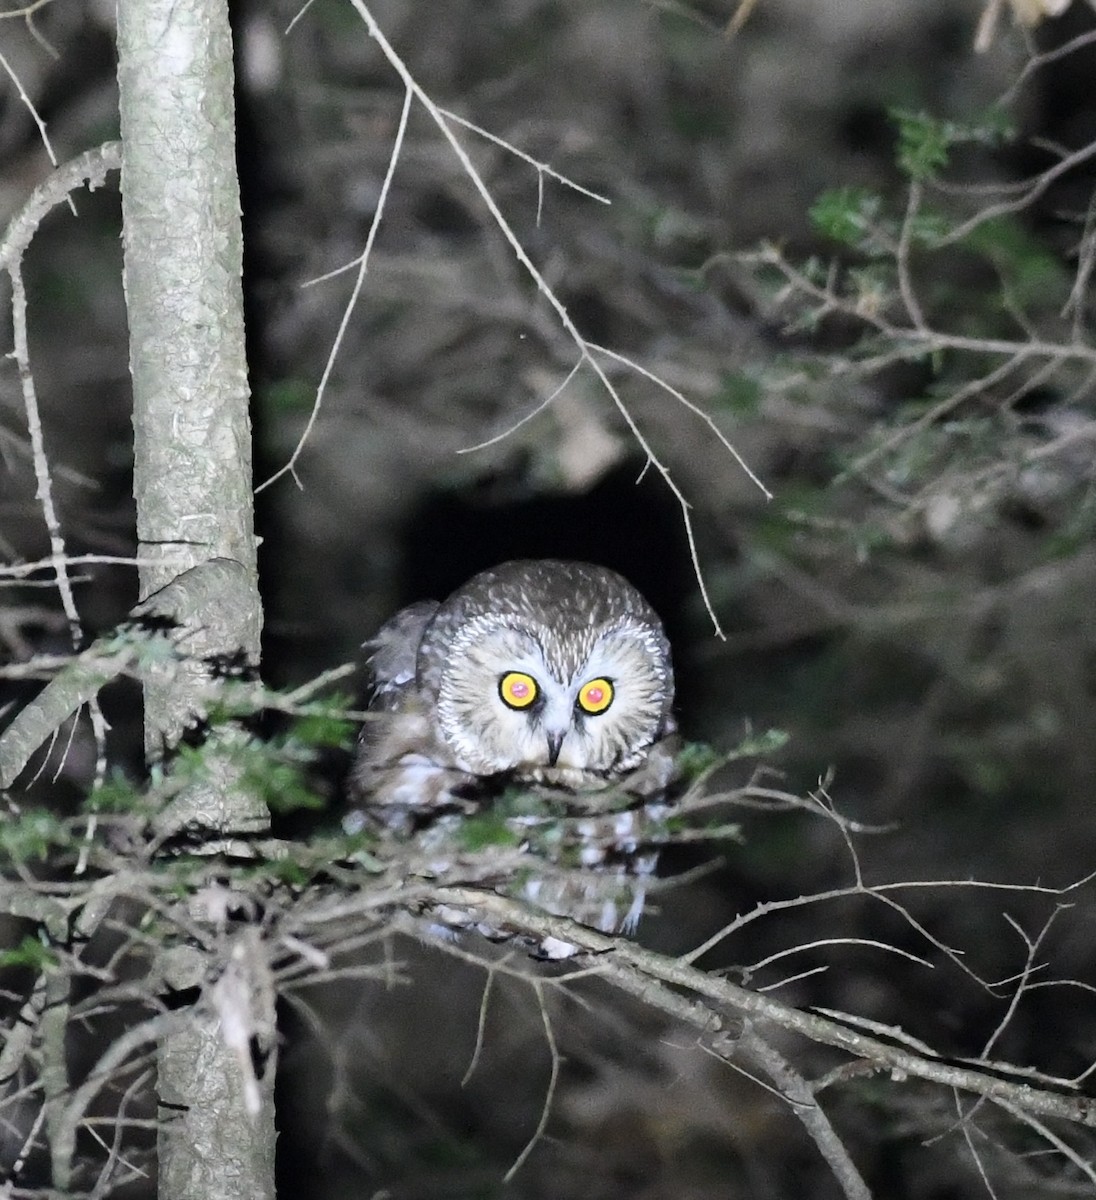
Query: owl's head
[(554, 670)]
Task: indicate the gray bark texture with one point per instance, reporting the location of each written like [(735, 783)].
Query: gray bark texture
[(193, 488)]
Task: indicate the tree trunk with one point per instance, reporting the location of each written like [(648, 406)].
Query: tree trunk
[(193, 488)]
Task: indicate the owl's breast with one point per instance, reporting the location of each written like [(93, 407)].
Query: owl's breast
[(564, 776)]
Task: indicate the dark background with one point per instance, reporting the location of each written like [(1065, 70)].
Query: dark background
[(944, 673)]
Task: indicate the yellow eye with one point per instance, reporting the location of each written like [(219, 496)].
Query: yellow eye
[(596, 696), (517, 689)]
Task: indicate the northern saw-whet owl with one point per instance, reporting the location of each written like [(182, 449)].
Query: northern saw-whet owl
[(542, 672)]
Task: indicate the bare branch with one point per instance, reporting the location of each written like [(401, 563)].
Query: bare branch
[(644, 973)]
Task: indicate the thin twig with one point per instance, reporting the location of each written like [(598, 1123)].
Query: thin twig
[(646, 973), (29, 104), (481, 1026), (363, 265), (550, 1091), (542, 168), (499, 437)]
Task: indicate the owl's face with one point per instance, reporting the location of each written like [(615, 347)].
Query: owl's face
[(548, 681)]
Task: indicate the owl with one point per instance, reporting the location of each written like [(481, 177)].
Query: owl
[(552, 674)]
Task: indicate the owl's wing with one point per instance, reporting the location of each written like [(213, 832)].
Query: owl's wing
[(395, 650), (398, 723), (403, 777), (402, 771)]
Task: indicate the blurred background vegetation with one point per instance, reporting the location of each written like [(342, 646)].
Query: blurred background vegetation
[(914, 606)]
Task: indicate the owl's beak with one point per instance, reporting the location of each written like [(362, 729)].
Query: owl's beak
[(555, 741)]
